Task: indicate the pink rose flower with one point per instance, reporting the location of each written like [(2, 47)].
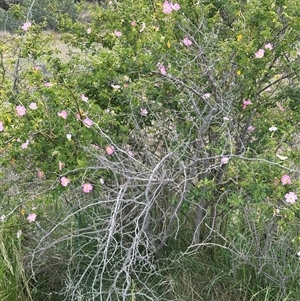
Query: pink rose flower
[(291, 197), (64, 181), (251, 128), (40, 174), (162, 69), (260, 53), (246, 103), (187, 42), (26, 26), (33, 106), (63, 114), (87, 122), (286, 180), (21, 110), (167, 7), (31, 217), (224, 160), (117, 33), (25, 144), (87, 187), (110, 149), (144, 112), (84, 98), (269, 46)]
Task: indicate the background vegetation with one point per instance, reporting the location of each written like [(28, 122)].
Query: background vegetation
[(149, 150)]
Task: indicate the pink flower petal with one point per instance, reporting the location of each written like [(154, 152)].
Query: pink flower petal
[(110, 149), (162, 69), (269, 46), (286, 180), (21, 110), (84, 98), (250, 128), (87, 187), (167, 7), (63, 114), (187, 42), (224, 160), (246, 103), (260, 53), (88, 122), (176, 6), (291, 197), (31, 217), (33, 106), (26, 26), (25, 144), (117, 33), (64, 181), (40, 174), (144, 112)]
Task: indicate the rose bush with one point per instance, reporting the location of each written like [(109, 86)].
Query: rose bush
[(163, 128)]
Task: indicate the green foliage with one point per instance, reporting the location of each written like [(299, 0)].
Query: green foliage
[(183, 126), (13, 281), (39, 12)]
